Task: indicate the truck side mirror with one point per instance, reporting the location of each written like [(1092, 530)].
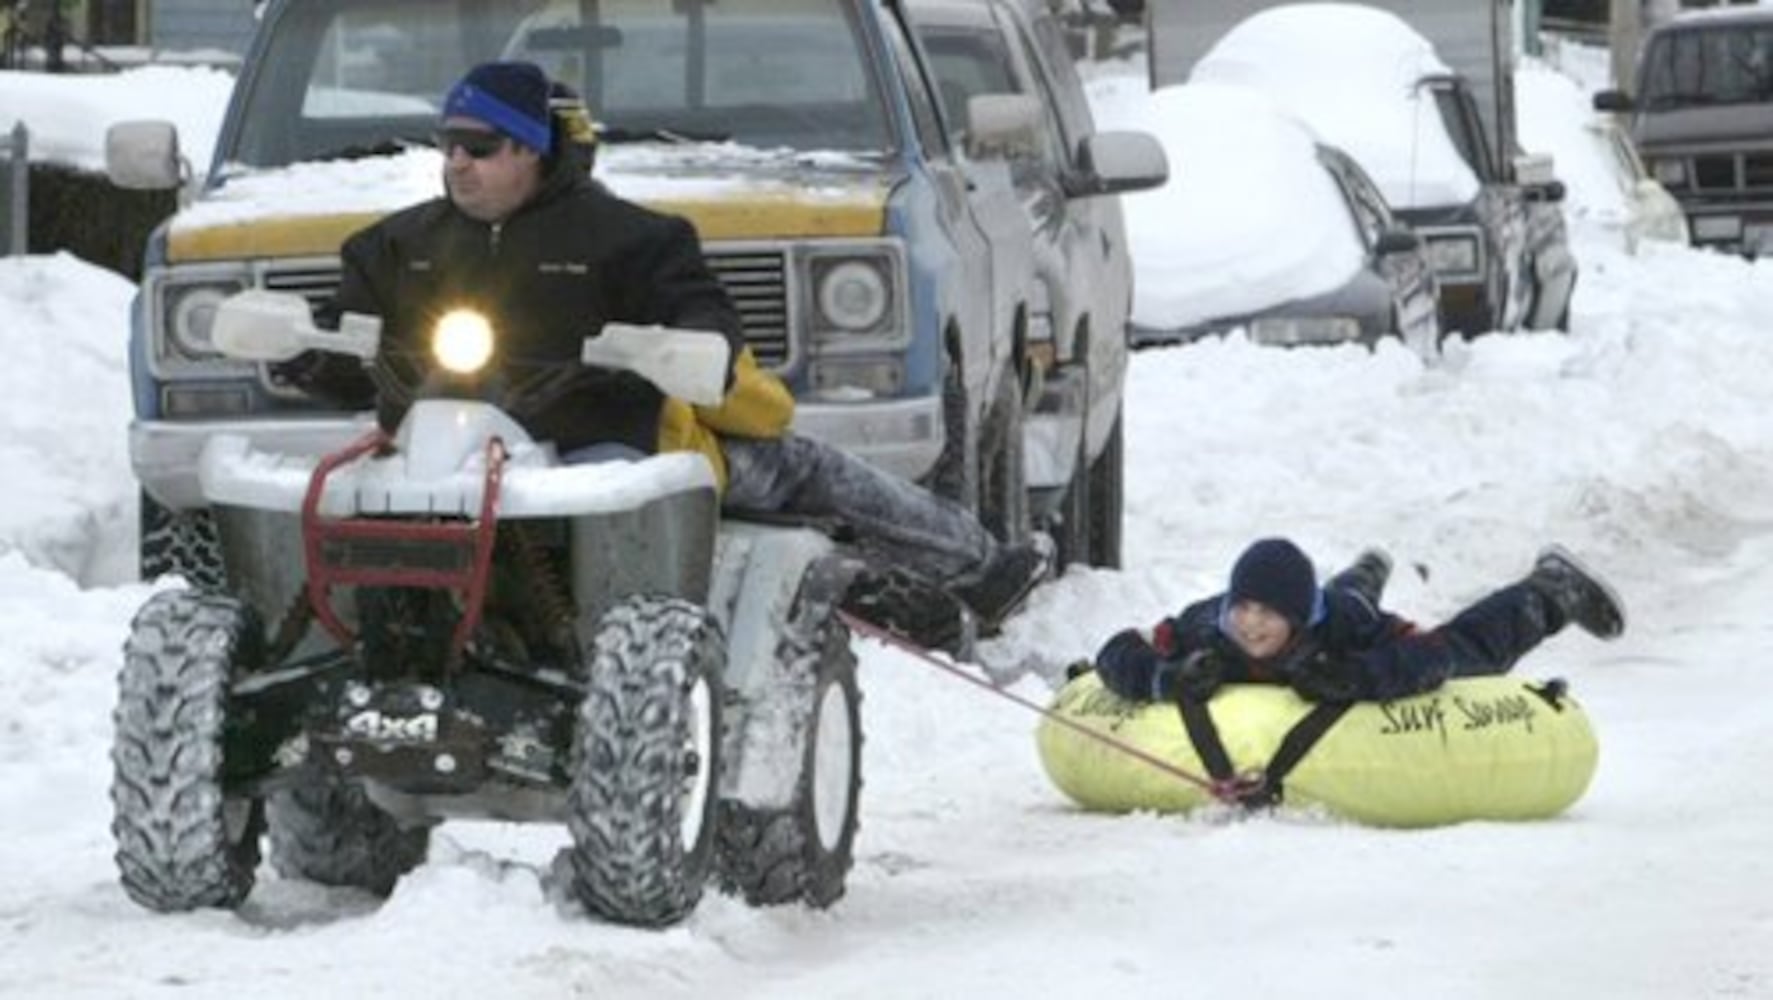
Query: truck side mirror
[(143, 155), (1534, 170), (1003, 126), (1399, 240), (1551, 191), (1613, 100), (1113, 162)]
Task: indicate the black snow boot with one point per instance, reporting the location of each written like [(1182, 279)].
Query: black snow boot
[(1005, 582), (1577, 593), (1367, 575), (908, 605)]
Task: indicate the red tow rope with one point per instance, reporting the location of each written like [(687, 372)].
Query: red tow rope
[(1233, 790)]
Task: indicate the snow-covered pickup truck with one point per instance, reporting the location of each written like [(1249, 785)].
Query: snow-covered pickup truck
[(882, 270)]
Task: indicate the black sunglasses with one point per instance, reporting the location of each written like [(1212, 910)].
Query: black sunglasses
[(477, 144)]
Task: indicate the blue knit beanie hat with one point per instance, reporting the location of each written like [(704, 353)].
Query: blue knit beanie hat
[(512, 97), (1276, 573)]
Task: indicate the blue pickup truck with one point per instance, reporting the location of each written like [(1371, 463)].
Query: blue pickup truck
[(885, 271)]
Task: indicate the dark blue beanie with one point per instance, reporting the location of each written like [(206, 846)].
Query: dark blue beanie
[(512, 97), (1274, 572)]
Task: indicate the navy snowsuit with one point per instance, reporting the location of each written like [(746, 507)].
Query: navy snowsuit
[(1380, 654)]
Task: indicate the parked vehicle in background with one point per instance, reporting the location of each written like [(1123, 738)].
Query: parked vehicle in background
[(1609, 186), (1702, 118), (1437, 136), (1266, 229), (1650, 211), (1009, 59), (882, 273)]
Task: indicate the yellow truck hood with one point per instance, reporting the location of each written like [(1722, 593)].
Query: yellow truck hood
[(307, 210)]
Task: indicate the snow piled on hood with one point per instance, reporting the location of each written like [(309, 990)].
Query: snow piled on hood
[(1206, 248), (384, 184)]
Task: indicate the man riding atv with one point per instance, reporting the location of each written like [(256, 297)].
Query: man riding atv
[(526, 237), (513, 599)]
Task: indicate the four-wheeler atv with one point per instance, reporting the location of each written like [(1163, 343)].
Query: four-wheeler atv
[(448, 621)]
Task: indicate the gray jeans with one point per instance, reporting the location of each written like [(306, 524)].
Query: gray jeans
[(893, 520)]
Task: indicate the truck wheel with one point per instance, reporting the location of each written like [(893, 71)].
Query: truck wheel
[(326, 830), (184, 542), (646, 762), (1108, 499), (183, 841), (1003, 479), (956, 473), (1089, 530), (804, 851), (1071, 535)]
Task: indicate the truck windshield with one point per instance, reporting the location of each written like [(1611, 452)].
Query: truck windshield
[(1707, 66), (342, 78)]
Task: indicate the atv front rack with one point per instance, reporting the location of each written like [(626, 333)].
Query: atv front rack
[(453, 555)]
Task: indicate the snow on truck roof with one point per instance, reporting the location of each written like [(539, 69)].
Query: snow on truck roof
[(1353, 73)]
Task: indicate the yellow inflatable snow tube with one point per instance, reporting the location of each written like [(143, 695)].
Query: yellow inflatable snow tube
[(1495, 748)]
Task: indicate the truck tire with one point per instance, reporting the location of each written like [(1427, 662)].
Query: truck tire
[(956, 473), (1003, 478), (183, 841), (1108, 499), (646, 762), (1071, 530), (803, 852), (1089, 528), (182, 542), (326, 830)]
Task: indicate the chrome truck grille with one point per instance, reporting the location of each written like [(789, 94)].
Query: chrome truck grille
[(755, 277)]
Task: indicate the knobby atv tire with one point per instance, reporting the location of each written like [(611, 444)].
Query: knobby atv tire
[(182, 842), (804, 852), (181, 542), (646, 767), (326, 830)]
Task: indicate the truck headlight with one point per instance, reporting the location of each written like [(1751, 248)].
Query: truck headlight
[(189, 312), (853, 295), (1670, 173), (1290, 330), (462, 341), (1454, 253), (1717, 227), (849, 295)]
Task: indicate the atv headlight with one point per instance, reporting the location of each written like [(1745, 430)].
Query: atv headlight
[(462, 341)]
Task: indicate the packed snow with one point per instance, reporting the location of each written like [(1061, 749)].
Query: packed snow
[(1642, 440)]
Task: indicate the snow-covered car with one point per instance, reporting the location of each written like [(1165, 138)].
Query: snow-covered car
[(1651, 212), (1609, 184), (1265, 228), (1369, 83), (1012, 54)]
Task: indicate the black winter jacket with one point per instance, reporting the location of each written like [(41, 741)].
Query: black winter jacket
[(1385, 655), (572, 259)]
